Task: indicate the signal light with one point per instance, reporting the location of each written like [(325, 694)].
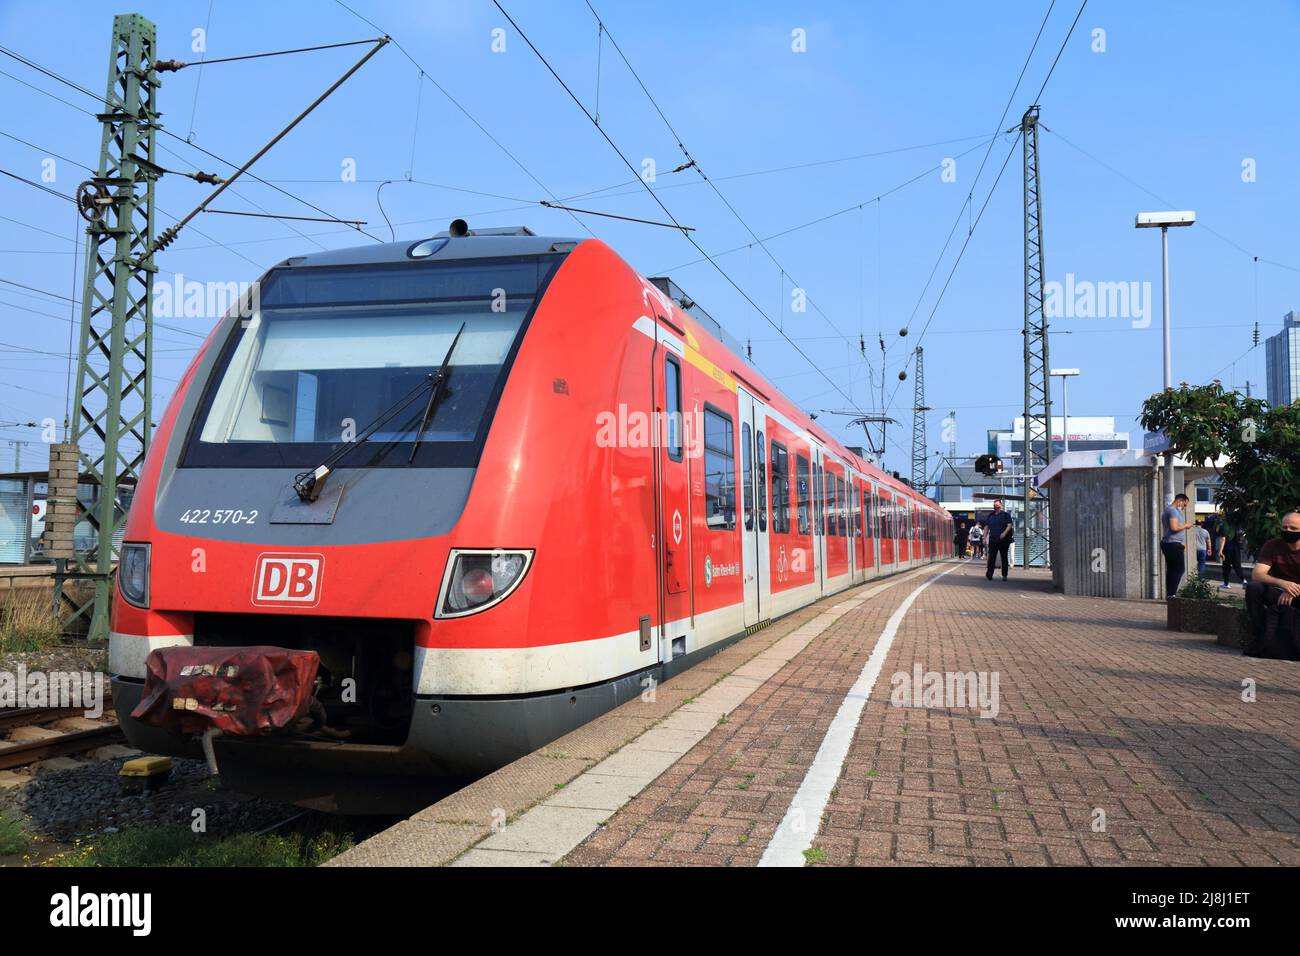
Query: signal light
[(988, 465)]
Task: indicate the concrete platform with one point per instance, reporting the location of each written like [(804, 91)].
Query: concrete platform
[(1104, 740)]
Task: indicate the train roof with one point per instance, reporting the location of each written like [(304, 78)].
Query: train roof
[(486, 243), (461, 242)]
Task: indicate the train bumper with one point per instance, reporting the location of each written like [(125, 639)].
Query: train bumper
[(451, 739)]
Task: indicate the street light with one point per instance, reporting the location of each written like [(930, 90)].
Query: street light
[(1065, 374), (1163, 221)]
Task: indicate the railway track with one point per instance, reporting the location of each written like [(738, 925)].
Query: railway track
[(20, 753)]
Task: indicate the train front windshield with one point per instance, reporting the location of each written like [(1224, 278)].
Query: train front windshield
[(330, 350)]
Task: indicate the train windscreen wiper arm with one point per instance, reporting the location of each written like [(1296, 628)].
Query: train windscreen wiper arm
[(308, 484), (435, 392)]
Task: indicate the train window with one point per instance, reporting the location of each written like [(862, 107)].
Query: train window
[(866, 511), (801, 490), (841, 508), (719, 471), (673, 406), (747, 472), (859, 504), (335, 351), (762, 483), (780, 489)]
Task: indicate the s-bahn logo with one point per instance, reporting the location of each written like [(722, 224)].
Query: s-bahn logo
[(288, 580), (712, 570)]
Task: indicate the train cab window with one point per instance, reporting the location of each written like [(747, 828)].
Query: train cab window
[(762, 483), (842, 507), (334, 351), (719, 471), (780, 489), (747, 472), (802, 488), (673, 406)]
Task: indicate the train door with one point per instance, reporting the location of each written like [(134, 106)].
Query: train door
[(904, 530), (753, 476), (887, 522), (875, 523), (819, 478), (677, 447), (853, 523), (866, 536)]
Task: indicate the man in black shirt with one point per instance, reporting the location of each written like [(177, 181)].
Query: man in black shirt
[(999, 532)]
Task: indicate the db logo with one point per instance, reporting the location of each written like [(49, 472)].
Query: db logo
[(288, 580)]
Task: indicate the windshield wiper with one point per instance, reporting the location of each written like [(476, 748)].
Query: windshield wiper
[(307, 485), (435, 392)]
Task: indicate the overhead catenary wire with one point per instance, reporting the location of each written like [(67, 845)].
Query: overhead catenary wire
[(826, 218), (173, 66), (466, 113), (1200, 222), (611, 215), (198, 79), (631, 168), (72, 84), (970, 193), (169, 234), (41, 186), (693, 163), (971, 231), (272, 215)]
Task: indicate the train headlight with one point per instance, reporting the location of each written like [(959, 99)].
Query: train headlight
[(477, 579), (133, 574)]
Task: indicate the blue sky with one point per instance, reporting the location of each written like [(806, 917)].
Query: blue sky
[(1181, 97)]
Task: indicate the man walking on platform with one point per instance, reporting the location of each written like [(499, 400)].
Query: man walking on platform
[(998, 533), (1171, 543), (1231, 550)]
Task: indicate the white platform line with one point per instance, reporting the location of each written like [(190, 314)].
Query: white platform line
[(804, 817)]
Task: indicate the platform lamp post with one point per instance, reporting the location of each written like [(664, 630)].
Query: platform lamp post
[(1163, 221), (1064, 374)]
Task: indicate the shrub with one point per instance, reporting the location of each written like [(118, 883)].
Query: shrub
[(1198, 589), (27, 621), (177, 846), (14, 837)]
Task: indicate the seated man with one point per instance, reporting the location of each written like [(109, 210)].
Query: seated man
[(1272, 592)]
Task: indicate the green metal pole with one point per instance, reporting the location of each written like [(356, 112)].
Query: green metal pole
[(114, 390)]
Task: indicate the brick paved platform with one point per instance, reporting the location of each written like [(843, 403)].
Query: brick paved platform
[(1101, 708), (1114, 742)]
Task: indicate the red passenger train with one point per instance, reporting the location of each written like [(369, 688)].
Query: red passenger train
[(500, 483)]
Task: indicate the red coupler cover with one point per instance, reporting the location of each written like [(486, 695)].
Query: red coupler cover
[(247, 691)]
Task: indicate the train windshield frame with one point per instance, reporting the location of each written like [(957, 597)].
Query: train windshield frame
[(330, 349)]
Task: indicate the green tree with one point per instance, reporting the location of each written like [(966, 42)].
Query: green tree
[(1261, 480)]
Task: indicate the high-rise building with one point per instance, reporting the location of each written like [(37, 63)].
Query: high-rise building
[(1283, 356)]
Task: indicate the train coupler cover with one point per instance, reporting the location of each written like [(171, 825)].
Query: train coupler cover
[(246, 691)]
